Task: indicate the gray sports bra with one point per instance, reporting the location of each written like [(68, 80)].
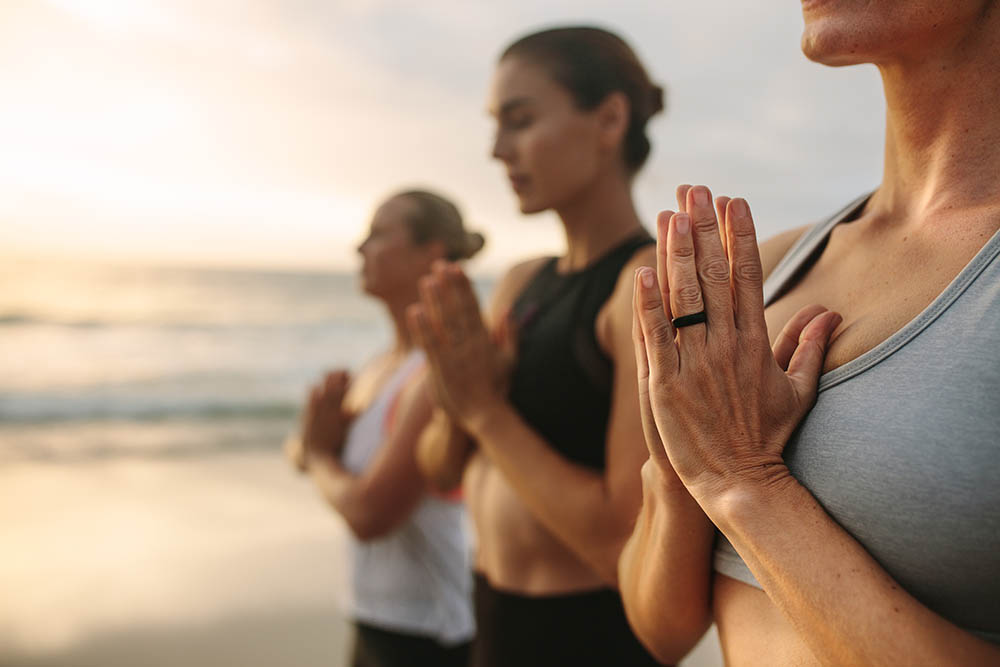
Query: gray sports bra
[(902, 448)]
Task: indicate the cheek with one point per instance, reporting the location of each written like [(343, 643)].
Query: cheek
[(565, 155)]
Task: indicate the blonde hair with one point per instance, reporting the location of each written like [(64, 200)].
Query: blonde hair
[(438, 219)]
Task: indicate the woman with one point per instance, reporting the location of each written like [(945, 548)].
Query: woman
[(553, 481), (411, 589), (867, 530)]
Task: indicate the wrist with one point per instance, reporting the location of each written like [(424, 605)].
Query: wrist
[(735, 499), (326, 458), (484, 419)]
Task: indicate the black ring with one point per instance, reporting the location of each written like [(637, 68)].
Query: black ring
[(688, 320)]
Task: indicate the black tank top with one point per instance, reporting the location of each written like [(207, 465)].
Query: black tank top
[(561, 384)]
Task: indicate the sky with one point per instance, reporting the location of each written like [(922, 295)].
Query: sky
[(264, 132)]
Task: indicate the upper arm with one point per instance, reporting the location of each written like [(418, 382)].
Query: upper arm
[(393, 484), (626, 448), (510, 287)]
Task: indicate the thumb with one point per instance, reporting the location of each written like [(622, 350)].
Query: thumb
[(506, 339), (807, 359)]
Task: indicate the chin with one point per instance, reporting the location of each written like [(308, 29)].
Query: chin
[(821, 47), (529, 205), (848, 36), (368, 286)]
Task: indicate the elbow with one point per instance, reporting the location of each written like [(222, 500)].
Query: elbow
[(669, 642), (439, 477), (607, 564), (367, 528), (668, 624)]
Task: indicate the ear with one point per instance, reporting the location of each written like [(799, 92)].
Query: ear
[(612, 118), (434, 250)]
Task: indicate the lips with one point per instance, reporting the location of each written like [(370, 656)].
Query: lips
[(813, 4), (518, 182)]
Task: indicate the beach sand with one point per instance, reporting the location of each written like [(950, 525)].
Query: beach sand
[(228, 559)]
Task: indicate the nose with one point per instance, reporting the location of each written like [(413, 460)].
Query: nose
[(361, 246), (501, 148)]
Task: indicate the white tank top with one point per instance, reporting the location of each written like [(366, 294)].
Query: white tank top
[(418, 578)]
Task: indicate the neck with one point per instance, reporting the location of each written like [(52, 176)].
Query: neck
[(397, 313), (597, 220), (943, 131)]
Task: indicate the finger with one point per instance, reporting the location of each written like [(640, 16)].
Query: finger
[(430, 343), (506, 338), (315, 394), (682, 197), (786, 342), (431, 300), (807, 361), (685, 290), (657, 331), (711, 262), (331, 385), (652, 436), (420, 328), (450, 307), (662, 258), (747, 274), (720, 214), (468, 315)]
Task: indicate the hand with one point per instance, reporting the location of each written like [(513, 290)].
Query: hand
[(325, 422), (468, 370), (295, 452), (718, 404)]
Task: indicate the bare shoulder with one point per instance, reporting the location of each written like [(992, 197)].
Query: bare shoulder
[(615, 321), (776, 247), (512, 283), (415, 392)]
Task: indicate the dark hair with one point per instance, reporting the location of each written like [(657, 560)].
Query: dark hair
[(435, 218), (593, 63)]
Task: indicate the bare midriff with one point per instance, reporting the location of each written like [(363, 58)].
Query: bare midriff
[(515, 552), (752, 630)]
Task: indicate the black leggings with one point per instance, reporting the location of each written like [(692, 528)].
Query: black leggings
[(545, 631), (375, 647)]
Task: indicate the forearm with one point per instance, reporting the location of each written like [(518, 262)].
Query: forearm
[(443, 451), (573, 502), (665, 568), (345, 493), (843, 604)]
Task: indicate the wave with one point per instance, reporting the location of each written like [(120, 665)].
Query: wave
[(96, 442), (52, 410), (342, 323)]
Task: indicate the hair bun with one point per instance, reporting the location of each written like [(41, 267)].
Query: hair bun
[(656, 99), (474, 242)]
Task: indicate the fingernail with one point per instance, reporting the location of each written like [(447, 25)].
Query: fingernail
[(683, 223), (646, 275), (701, 196), (740, 208)]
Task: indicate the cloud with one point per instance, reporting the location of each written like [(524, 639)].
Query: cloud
[(296, 117)]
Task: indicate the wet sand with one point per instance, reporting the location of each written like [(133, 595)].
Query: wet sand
[(228, 559)]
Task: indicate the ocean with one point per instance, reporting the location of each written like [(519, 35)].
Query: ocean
[(219, 358)]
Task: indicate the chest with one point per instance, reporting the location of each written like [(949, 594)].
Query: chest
[(876, 287), (902, 449), (369, 382)]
